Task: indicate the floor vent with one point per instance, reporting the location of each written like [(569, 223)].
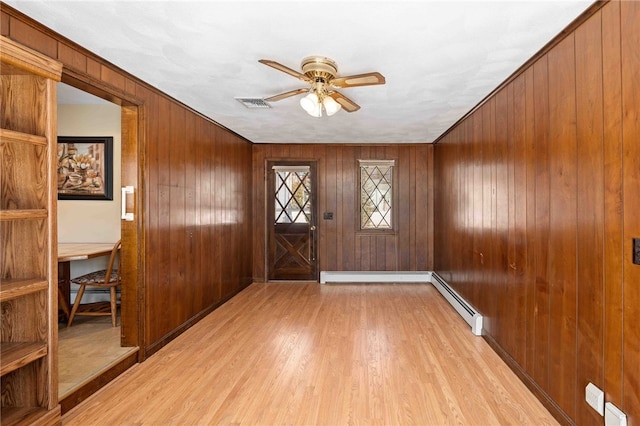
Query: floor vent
[(253, 102), (466, 311)]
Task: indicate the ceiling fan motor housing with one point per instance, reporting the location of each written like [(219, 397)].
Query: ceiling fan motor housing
[(319, 68)]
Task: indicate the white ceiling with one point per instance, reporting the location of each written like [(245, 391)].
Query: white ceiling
[(440, 58)]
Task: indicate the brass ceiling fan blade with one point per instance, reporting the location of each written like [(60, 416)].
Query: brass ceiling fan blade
[(368, 79), (286, 95), (346, 103), (280, 67)]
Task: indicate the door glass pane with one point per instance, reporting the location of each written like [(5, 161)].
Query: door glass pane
[(292, 195)]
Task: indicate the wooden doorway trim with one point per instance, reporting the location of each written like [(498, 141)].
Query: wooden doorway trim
[(132, 232), (132, 251)]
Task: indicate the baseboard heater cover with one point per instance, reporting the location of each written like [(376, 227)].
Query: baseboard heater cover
[(466, 311), (375, 277)]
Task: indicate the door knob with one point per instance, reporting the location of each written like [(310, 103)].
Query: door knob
[(313, 227)]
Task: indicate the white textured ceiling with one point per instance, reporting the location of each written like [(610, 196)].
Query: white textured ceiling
[(440, 58)]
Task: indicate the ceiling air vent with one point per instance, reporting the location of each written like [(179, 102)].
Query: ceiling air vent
[(253, 102)]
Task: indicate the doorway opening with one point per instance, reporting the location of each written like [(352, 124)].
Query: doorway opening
[(91, 352)]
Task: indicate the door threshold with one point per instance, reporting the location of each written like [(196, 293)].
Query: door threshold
[(98, 380)]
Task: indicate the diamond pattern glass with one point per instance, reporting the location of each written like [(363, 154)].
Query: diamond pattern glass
[(292, 197), (375, 196)]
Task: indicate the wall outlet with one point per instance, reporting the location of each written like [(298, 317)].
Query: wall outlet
[(595, 398), (613, 416)]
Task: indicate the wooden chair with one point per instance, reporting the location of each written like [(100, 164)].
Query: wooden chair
[(106, 278)]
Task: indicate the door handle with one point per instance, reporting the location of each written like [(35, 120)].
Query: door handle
[(126, 190), (312, 242)]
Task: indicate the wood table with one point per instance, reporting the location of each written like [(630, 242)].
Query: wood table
[(74, 251)]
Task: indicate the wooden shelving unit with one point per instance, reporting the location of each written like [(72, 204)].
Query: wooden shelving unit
[(28, 258)]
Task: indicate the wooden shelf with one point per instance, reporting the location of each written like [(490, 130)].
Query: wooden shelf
[(19, 137), (10, 289), (18, 354), (26, 214)]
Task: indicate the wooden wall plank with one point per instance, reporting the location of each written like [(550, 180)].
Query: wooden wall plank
[(562, 213), (511, 266), (613, 203), (258, 184), (488, 208), (422, 225), (530, 189), (404, 210), (475, 175), (502, 215), (339, 220), (348, 207), (330, 262), (518, 219), (542, 226), (630, 56), (590, 193)]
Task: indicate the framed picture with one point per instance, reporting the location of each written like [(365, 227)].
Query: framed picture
[(85, 168)]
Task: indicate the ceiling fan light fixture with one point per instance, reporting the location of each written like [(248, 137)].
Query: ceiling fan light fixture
[(309, 103), (317, 112), (330, 105)]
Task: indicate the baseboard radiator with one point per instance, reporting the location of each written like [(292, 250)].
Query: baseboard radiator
[(466, 311), (374, 277)]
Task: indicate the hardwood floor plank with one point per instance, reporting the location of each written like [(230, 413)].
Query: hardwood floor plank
[(305, 353)]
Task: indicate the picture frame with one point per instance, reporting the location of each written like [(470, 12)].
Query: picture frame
[(85, 168)]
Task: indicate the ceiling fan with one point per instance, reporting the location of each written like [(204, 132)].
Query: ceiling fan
[(321, 75)]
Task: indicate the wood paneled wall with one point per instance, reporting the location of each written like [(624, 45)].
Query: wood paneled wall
[(197, 190), (340, 246), (538, 194)]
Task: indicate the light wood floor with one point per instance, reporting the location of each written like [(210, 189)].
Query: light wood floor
[(310, 354), (86, 349)]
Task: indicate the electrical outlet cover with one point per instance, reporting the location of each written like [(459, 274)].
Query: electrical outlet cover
[(595, 398), (614, 417)]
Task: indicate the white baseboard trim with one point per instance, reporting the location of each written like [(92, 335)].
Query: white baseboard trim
[(375, 277)]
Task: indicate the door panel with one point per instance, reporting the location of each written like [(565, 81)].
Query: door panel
[(292, 221)]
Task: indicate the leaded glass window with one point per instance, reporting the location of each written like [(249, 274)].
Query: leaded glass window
[(376, 194)]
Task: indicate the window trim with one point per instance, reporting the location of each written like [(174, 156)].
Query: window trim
[(394, 197)]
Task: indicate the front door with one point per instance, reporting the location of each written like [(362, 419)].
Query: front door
[(292, 221)]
